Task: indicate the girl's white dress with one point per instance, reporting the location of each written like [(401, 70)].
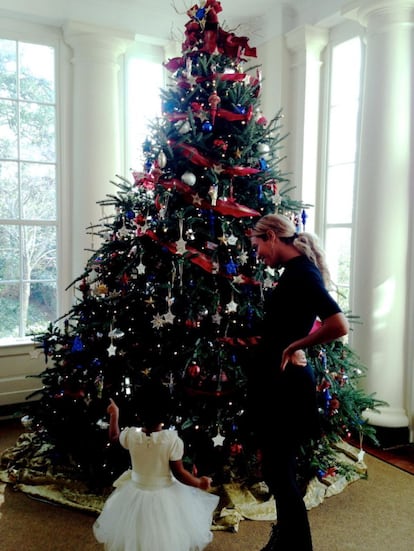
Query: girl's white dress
[(150, 510)]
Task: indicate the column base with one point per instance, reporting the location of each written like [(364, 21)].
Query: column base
[(391, 426), (392, 437)]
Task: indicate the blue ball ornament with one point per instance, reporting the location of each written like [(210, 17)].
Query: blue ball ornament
[(207, 126)]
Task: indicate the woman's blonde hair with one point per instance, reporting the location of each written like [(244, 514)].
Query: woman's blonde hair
[(306, 243)]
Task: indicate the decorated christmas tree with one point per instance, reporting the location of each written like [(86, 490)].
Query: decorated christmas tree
[(174, 291)]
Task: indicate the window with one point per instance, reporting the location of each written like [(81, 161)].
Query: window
[(341, 161), (144, 80), (28, 193)]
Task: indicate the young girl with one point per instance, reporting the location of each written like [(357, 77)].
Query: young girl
[(158, 505)]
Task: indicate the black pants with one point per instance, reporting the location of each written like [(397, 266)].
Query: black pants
[(293, 420)]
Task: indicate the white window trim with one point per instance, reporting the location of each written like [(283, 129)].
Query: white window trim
[(50, 36)]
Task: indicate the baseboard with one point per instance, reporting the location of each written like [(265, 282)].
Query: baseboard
[(15, 411), (392, 437)]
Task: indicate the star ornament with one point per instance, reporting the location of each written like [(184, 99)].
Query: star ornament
[(111, 350), (232, 239), (238, 279), (157, 321), (218, 439), (141, 268), (243, 258), (197, 200), (169, 317), (218, 169), (231, 307), (216, 318)]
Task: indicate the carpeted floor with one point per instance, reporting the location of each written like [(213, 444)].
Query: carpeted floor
[(369, 515)]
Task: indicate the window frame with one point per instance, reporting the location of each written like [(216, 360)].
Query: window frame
[(23, 31), (338, 34)]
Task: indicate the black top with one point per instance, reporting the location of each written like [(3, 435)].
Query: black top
[(283, 404), (291, 309)]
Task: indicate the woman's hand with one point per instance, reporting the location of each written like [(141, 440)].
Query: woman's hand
[(297, 357)]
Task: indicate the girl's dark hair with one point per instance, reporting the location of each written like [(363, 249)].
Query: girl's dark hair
[(153, 402)]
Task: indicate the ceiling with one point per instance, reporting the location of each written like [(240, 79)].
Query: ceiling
[(161, 19)]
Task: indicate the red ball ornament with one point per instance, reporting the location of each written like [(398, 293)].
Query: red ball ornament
[(194, 370), (236, 448)]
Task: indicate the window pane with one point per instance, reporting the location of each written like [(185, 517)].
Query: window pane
[(37, 132), (342, 134), (346, 67), (9, 310), (42, 307), (37, 68), (338, 251), (339, 194), (39, 248), (143, 105), (8, 129), (8, 79), (9, 190), (28, 196), (9, 252), (38, 191)]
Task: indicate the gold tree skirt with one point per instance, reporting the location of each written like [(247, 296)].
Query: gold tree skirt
[(27, 466)]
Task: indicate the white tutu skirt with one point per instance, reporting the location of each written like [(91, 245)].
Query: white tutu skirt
[(172, 518)]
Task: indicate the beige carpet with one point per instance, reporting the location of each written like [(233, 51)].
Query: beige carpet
[(376, 514)]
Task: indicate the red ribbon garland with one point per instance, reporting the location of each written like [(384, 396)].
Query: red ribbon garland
[(226, 208)]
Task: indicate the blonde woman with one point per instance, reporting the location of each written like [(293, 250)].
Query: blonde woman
[(282, 388)]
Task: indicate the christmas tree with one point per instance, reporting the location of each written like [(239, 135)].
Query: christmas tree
[(175, 292)]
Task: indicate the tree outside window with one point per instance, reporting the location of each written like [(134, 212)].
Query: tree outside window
[(28, 196)]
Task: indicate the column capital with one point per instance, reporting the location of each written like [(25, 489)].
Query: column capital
[(385, 11), (97, 44), (307, 39)]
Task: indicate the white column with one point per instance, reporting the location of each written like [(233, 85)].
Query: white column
[(96, 145), (384, 212), (306, 44)]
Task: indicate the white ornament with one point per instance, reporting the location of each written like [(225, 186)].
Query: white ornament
[(243, 258), (181, 246), (231, 306), (169, 317), (157, 321), (218, 439), (232, 239), (111, 350), (116, 333), (189, 178), (361, 455), (216, 318), (141, 268), (263, 148), (183, 127), (162, 159), (213, 195), (239, 279)]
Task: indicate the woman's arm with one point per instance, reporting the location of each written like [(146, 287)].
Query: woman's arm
[(332, 328), (113, 412), (181, 474)]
